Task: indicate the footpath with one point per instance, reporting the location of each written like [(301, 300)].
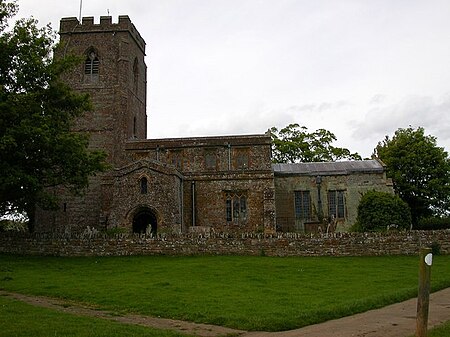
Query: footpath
[(397, 320)]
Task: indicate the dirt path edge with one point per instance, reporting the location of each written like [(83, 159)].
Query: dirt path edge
[(396, 320), (197, 329)]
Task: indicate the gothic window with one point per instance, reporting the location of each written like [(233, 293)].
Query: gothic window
[(144, 185), (210, 160), (236, 207), (336, 204), (91, 65), (242, 161), (177, 159), (302, 201), (136, 74)]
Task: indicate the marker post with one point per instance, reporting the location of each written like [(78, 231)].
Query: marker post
[(423, 298)]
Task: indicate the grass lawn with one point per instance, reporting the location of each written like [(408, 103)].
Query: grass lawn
[(250, 293), (23, 320), (440, 331)]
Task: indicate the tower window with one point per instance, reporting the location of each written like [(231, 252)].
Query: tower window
[(135, 74), (91, 65)]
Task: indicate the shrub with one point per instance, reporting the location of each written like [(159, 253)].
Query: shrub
[(433, 223), (435, 248), (7, 225), (380, 210)]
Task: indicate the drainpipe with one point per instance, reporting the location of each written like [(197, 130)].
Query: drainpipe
[(193, 202), (319, 198), (181, 205), (229, 156)]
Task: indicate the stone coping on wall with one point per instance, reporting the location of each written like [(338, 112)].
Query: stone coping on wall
[(278, 244)]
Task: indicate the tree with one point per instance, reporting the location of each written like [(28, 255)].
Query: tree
[(419, 169), (380, 210), (293, 144), (37, 149)]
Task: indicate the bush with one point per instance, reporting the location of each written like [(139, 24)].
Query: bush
[(433, 223), (379, 211), (12, 226)]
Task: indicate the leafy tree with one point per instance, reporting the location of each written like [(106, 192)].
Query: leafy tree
[(293, 144), (419, 169), (380, 210), (37, 148)]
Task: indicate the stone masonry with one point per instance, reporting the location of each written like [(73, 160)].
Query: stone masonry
[(280, 244)]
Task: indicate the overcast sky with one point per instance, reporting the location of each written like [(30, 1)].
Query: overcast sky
[(359, 68)]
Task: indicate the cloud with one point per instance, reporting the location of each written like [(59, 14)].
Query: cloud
[(378, 98), (384, 117)]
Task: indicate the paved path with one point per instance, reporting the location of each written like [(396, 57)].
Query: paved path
[(397, 320)]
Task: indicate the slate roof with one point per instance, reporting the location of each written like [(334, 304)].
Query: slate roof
[(329, 168)]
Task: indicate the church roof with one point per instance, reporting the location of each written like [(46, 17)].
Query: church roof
[(329, 168)]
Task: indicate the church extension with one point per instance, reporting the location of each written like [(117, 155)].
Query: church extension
[(178, 185)]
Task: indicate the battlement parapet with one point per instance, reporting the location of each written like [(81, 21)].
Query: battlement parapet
[(71, 25)]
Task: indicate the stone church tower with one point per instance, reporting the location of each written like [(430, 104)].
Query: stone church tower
[(114, 74)]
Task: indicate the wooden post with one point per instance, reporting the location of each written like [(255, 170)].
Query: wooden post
[(423, 298)]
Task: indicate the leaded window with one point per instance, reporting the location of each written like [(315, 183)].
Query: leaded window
[(302, 202), (336, 204), (236, 207), (92, 65)]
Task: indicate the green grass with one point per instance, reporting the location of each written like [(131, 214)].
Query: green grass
[(22, 320), (440, 331), (250, 293)]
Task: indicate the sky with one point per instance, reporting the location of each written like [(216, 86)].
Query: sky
[(358, 68)]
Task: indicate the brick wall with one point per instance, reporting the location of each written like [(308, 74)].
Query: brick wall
[(281, 244)]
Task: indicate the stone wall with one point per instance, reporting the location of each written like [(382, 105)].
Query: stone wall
[(195, 243), (213, 169), (162, 196), (207, 155), (353, 185)]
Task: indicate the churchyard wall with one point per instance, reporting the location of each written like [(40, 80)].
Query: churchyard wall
[(92, 243)]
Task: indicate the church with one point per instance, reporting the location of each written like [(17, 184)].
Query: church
[(183, 185)]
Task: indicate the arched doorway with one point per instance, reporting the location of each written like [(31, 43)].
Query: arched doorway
[(145, 221)]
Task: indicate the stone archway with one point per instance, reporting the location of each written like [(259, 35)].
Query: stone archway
[(145, 221)]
